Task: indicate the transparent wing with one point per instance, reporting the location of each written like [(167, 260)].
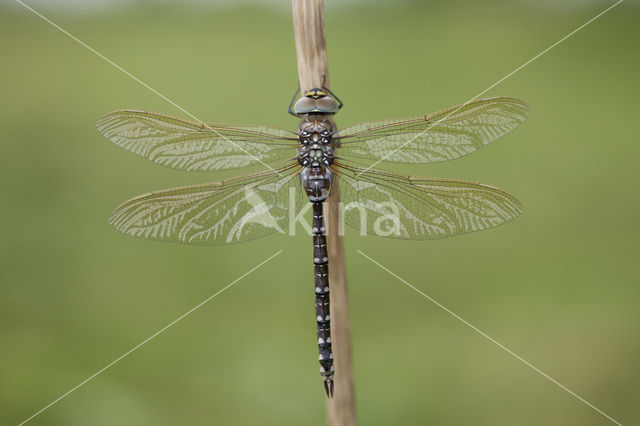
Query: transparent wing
[(406, 207), (444, 135), (216, 213), (184, 144)]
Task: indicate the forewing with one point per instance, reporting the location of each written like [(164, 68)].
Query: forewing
[(188, 145), (215, 213), (445, 135), (417, 208)]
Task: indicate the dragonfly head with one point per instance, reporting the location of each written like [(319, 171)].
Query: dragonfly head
[(316, 101)]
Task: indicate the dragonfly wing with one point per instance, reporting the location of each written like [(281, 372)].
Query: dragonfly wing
[(189, 145), (417, 208), (215, 213), (442, 136)]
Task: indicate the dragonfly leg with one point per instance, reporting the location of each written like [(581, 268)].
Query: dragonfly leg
[(290, 109), (340, 104)]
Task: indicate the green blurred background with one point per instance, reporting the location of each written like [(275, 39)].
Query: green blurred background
[(559, 286)]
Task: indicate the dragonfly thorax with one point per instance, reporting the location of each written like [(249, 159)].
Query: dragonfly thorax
[(316, 144), (315, 154)]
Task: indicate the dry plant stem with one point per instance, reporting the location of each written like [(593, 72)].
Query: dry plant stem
[(311, 50)]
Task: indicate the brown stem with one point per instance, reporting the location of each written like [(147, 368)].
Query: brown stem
[(311, 50)]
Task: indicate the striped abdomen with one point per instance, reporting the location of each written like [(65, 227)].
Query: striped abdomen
[(321, 275)]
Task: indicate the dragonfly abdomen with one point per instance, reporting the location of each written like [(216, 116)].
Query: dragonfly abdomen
[(323, 316)]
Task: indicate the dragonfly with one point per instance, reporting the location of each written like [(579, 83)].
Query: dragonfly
[(304, 166)]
